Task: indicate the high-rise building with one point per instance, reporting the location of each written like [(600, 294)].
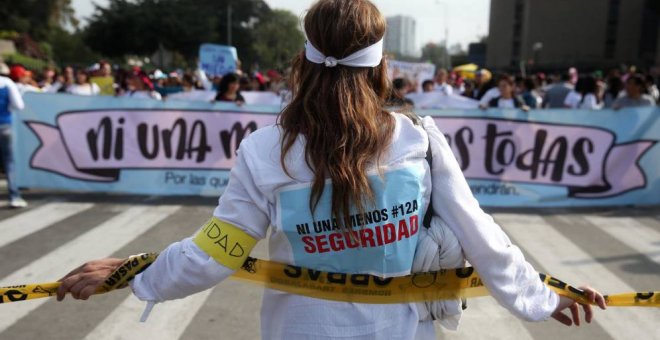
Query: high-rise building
[(584, 33), (400, 35)]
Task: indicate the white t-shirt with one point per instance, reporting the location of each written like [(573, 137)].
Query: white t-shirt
[(89, 89), (489, 95), (506, 103), (574, 101), (25, 88), (15, 98), (444, 88), (260, 196), (194, 95), (143, 95)]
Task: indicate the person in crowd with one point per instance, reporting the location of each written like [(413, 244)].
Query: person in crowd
[(69, 79), (585, 96), (104, 79), (168, 83), (276, 83), (56, 85), (190, 90), (635, 95), (82, 86), (246, 84), (540, 81), (229, 89), (428, 85), (10, 99), (442, 82), (258, 82), (556, 94), (601, 86), (528, 92), (121, 81), (493, 90), (574, 75), (48, 79), (613, 90), (457, 83), (400, 88), (652, 88), (140, 86), (469, 88), (317, 163), (507, 98), (574, 96), (159, 79), (23, 79), (482, 83), (105, 69), (188, 83)]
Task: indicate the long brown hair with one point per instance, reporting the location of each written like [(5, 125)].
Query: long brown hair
[(339, 110)]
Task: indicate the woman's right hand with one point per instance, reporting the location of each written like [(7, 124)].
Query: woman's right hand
[(83, 281), (565, 302)]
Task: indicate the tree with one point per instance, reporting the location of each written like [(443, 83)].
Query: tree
[(141, 27), (36, 17), (277, 39), (435, 54), (69, 48), (457, 49)]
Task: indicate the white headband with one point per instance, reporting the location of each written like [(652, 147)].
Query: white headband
[(367, 57)]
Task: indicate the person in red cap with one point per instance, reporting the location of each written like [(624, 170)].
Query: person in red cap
[(276, 83), (23, 79), (140, 86)]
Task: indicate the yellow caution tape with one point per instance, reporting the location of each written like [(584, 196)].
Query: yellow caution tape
[(443, 284), (118, 279)]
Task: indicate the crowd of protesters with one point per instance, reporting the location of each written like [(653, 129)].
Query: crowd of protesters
[(569, 90), (103, 79)]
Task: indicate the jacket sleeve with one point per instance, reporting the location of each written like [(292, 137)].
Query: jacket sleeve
[(511, 280), (15, 98), (183, 268)]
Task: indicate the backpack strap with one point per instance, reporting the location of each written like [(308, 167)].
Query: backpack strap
[(417, 120), (429, 211)]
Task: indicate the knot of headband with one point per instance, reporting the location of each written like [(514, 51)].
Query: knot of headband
[(370, 56)]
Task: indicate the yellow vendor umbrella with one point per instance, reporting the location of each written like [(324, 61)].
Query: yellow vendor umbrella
[(466, 71)]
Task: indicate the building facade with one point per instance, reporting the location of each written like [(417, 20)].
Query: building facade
[(555, 34), (400, 36)]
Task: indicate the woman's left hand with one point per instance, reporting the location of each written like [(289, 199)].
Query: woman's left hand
[(564, 302), (83, 281)]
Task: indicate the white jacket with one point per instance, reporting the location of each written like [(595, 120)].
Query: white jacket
[(260, 195)]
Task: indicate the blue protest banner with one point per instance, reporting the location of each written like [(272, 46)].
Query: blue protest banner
[(544, 158), (217, 60)]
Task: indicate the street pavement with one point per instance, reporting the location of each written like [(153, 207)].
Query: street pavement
[(613, 249)]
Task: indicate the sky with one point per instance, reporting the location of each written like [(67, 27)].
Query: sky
[(467, 19)]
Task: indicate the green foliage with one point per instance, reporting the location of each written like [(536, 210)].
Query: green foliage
[(30, 63), (139, 27), (47, 49), (36, 17), (8, 35), (70, 48), (277, 39), (435, 54)]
